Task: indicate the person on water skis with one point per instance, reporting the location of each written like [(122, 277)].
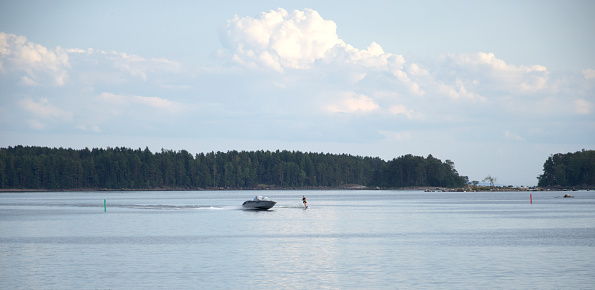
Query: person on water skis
[(304, 201)]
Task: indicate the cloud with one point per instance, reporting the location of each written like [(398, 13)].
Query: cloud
[(36, 124), (512, 136), (89, 128), (589, 73), (99, 66), (140, 66), (43, 109), (353, 104), (278, 39), (395, 136), (122, 103), (459, 90), (417, 71), (413, 86), (69, 79), (518, 79), (41, 113), (298, 65), (34, 63), (303, 41), (281, 40), (583, 107), (400, 109)]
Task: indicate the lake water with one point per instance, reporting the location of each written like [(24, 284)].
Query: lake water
[(345, 239)]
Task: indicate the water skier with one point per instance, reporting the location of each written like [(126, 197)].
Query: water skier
[(304, 201)]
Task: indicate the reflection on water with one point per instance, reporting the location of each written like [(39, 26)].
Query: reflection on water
[(294, 241), (346, 239)]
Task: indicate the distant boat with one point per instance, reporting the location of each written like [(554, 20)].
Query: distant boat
[(259, 202), (568, 195)]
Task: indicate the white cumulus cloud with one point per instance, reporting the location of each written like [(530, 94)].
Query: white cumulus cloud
[(33, 63), (282, 40), (279, 39)]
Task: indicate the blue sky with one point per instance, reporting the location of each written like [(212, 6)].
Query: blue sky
[(494, 86)]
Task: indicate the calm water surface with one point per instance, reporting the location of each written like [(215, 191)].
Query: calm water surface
[(345, 239)]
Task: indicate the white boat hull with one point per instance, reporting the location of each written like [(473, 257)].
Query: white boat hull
[(259, 204)]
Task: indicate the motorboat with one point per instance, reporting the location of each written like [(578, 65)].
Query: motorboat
[(259, 202)]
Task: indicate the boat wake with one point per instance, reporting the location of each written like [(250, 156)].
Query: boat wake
[(291, 206), (163, 207), (183, 207)]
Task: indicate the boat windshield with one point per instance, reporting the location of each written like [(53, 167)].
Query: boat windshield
[(259, 197)]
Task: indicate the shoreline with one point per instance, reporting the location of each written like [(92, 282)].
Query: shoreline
[(345, 187)]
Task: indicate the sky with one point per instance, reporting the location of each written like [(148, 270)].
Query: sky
[(494, 86)]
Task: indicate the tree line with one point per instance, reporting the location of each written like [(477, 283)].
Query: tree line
[(409, 170), (569, 170), (124, 168)]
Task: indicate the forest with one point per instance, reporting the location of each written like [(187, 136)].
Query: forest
[(124, 168), (569, 170)]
